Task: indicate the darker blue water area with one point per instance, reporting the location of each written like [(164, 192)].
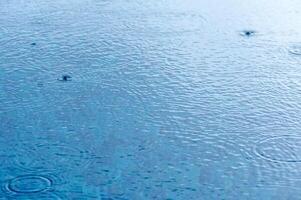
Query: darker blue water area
[(150, 100)]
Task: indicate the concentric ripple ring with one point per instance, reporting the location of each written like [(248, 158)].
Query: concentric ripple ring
[(280, 149), (28, 184)]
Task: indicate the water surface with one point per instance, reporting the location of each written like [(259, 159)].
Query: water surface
[(166, 100)]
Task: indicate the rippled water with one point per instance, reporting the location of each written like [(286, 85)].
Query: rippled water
[(164, 100)]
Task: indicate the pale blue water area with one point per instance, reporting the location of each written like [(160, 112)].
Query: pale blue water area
[(162, 99)]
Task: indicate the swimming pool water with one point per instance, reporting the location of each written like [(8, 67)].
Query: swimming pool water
[(164, 100)]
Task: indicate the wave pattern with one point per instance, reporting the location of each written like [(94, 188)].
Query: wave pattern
[(168, 99)]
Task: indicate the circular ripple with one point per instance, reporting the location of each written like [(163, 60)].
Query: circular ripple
[(280, 149), (28, 184), (296, 50)]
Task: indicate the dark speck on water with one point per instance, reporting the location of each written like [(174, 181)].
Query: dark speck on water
[(248, 33), (40, 84), (65, 78), (33, 44)]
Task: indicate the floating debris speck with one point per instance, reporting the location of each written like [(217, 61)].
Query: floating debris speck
[(65, 78), (248, 33)]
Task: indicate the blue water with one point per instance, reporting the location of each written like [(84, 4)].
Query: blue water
[(165, 99)]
